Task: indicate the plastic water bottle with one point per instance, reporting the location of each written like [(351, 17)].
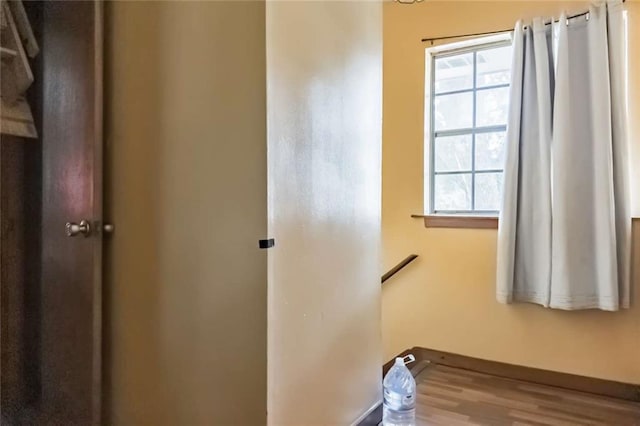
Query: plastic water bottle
[(399, 392)]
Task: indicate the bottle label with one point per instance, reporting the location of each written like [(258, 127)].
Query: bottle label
[(399, 402)]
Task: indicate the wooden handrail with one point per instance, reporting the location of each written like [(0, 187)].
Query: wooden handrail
[(407, 260)]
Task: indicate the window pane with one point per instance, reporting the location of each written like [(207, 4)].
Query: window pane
[(452, 192), (454, 73), (492, 105), (494, 66), (490, 150), (488, 191), (453, 153), (453, 111)]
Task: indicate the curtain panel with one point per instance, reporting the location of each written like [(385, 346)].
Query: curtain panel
[(565, 225)]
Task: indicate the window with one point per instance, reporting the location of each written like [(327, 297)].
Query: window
[(466, 118)]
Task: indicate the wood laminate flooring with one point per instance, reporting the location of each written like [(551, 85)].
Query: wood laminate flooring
[(453, 396)]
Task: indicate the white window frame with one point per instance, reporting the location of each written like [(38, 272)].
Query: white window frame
[(431, 53)]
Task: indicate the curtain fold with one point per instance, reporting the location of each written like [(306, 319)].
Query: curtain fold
[(617, 44), (524, 234), (564, 233)]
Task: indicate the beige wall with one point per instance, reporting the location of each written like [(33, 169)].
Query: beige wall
[(324, 108), (186, 174), (446, 299)]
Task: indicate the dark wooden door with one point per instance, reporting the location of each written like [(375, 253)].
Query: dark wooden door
[(71, 285)]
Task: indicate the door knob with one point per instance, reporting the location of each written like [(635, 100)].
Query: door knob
[(73, 229)]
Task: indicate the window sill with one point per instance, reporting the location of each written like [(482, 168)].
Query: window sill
[(458, 221), (469, 222)]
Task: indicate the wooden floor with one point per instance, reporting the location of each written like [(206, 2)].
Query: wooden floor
[(452, 396)]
